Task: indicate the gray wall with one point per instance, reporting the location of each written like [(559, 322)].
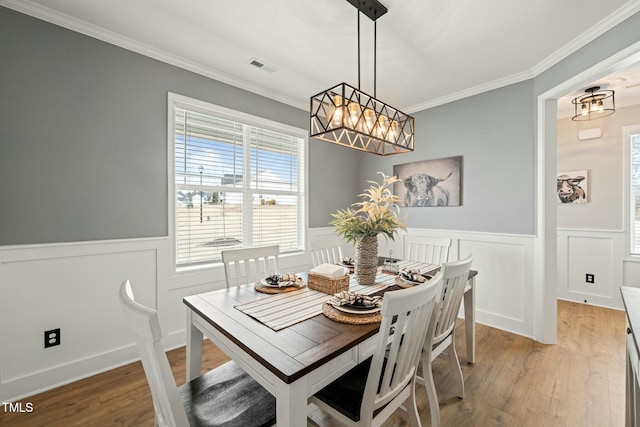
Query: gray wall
[(334, 172), (83, 140), (493, 132), (83, 137)]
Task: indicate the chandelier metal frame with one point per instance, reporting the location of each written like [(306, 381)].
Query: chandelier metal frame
[(349, 117)]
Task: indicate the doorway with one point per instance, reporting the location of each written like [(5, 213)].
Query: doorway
[(545, 246)]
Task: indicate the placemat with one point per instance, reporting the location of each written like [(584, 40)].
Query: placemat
[(353, 319), (273, 290)]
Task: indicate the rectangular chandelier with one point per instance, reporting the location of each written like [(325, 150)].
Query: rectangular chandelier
[(347, 116)]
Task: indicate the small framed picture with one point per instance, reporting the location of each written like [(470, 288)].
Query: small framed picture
[(573, 187)]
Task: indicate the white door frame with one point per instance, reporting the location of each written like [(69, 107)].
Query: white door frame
[(545, 325)]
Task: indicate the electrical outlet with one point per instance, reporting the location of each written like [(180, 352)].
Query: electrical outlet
[(51, 338), (590, 278)]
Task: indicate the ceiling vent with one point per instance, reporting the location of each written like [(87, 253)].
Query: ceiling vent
[(261, 65)]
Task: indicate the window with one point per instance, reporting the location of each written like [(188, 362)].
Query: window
[(238, 181), (632, 135)]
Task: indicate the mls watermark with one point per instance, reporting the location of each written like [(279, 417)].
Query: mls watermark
[(22, 407)]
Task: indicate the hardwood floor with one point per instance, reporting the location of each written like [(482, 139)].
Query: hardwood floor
[(514, 382)]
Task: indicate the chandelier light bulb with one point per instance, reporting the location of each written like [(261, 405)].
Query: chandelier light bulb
[(338, 113), (394, 131), (382, 127), (354, 113), (370, 119)]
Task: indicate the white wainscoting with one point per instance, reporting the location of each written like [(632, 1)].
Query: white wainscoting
[(73, 286), (597, 252), (504, 292)]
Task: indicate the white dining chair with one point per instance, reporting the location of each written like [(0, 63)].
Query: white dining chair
[(250, 264), (225, 396), (370, 392), (429, 250), (325, 251), (440, 336)]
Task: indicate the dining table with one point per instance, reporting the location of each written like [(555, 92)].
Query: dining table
[(286, 343)]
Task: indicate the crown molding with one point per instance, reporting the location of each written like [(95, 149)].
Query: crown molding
[(57, 18), (62, 20), (582, 40), (588, 36), (485, 87)]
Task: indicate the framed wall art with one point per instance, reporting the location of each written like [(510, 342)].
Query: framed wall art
[(572, 187), (429, 182)]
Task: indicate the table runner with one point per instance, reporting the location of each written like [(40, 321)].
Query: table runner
[(283, 310)]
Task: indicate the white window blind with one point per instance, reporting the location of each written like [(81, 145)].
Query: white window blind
[(634, 144), (236, 186)]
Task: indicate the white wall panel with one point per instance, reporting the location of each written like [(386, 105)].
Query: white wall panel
[(504, 284), (72, 287), (588, 255), (597, 252), (501, 278)]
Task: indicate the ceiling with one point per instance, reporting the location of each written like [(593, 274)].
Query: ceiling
[(428, 52)]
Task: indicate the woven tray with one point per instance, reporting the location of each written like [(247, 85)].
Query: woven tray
[(353, 319), (327, 285), (259, 287)]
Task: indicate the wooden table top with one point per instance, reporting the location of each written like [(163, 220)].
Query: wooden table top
[(290, 353)]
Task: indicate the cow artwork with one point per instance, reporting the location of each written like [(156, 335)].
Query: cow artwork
[(429, 183), (423, 190), (572, 187)]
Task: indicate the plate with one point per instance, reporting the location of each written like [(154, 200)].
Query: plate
[(357, 309), (427, 276), (264, 282)]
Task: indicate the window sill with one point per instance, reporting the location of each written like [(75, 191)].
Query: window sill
[(197, 268), (215, 265)]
